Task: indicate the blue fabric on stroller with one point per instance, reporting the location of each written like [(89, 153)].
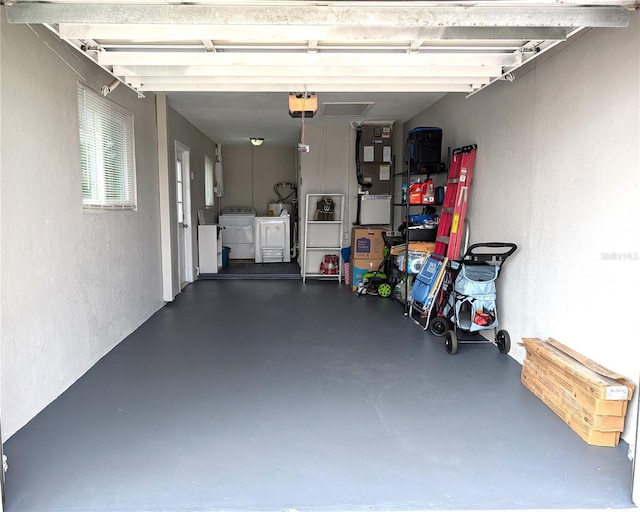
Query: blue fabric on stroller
[(474, 298)]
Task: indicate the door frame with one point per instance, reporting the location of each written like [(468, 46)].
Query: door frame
[(635, 477), (166, 176), (167, 238), (183, 153)]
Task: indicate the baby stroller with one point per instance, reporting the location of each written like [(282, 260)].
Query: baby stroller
[(466, 306)]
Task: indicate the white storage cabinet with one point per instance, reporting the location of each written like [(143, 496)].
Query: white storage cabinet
[(209, 249)]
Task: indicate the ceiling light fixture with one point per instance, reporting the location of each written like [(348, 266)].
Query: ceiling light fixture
[(256, 141)]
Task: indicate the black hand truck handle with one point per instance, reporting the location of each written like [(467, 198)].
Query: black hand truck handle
[(503, 255)]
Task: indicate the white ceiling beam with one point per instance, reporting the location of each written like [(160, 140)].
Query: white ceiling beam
[(293, 33), (350, 59), (363, 14), (338, 87), (374, 71), (137, 81), (304, 47), (351, 3), (527, 57)]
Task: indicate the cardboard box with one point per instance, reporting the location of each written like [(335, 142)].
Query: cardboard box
[(580, 372), (569, 407), (367, 243), (552, 383), (416, 261), (589, 435), (597, 438), (361, 266), (427, 247), (589, 398)]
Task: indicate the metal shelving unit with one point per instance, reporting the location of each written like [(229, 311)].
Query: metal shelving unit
[(429, 171), (322, 237)]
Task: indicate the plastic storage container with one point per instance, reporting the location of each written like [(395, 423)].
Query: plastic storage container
[(225, 256), (424, 146)]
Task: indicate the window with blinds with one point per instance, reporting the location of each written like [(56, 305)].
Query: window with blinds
[(209, 185), (107, 157)]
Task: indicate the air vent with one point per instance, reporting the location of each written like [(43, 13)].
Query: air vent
[(346, 109)]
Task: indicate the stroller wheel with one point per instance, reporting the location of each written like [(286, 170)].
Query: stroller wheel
[(452, 342), (384, 290), (438, 326), (503, 341)]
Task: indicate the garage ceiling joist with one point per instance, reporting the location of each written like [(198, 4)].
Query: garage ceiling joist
[(344, 14), (290, 33), (339, 46)]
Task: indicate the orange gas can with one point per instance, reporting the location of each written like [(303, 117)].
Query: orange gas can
[(415, 193)]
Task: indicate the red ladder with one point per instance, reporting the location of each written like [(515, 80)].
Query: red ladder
[(454, 207)]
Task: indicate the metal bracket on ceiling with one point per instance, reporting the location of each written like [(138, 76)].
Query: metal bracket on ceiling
[(208, 46), (415, 46), (79, 46), (527, 56), (88, 45), (108, 88), (533, 48), (312, 46)]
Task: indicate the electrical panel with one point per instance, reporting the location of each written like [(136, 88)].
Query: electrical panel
[(375, 159)]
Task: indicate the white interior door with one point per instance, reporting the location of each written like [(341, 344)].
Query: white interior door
[(183, 211)]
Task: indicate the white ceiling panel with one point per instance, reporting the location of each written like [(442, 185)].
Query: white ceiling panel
[(227, 66)]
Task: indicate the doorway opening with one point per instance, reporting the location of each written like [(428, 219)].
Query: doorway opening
[(183, 215)]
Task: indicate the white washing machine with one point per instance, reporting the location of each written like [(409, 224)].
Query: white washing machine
[(237, 223), (272, 239)]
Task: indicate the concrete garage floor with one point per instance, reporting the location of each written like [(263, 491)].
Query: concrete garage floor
[(275, 395)]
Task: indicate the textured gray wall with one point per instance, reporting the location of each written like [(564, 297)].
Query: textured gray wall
[(180, 130), (558, 173), (74, 284), (251, 172)]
